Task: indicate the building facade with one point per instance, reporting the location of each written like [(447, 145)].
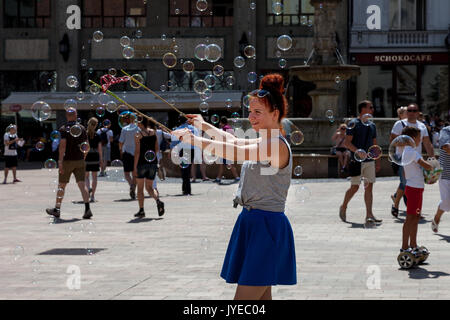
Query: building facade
[(39, 51), (406, 59)]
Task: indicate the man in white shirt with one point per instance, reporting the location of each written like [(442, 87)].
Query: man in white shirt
[(410, 121), (127, 148)]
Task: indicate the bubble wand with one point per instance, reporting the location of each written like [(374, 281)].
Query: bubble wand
[(163, 127), (155, 94)]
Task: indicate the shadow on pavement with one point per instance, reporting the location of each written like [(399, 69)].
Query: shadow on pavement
[(140, 220), (70, 251), (445, 238), (420, 273), (421, 221), (60, 221)]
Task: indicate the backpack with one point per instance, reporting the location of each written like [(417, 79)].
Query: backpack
[(104, 137)]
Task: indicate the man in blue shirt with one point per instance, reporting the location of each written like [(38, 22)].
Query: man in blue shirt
[(361, 136), (127, 147)]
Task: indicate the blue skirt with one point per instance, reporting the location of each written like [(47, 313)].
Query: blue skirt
[(261, 251)]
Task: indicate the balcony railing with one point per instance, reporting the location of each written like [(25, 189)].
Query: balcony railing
[(407, 37)]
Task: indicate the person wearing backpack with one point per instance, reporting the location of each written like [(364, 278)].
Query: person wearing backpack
[(106, 138)]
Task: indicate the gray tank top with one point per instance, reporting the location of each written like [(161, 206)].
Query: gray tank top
[(263, 187)]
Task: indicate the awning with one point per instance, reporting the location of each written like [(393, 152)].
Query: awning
[(140, 100)]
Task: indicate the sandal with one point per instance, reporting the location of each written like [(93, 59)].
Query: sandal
[(434, 226), (394, 211)]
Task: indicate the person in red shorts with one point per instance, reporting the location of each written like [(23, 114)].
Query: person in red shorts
[(413, 191)]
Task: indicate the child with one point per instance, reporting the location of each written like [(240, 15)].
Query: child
[(413, 191), (444, 181)]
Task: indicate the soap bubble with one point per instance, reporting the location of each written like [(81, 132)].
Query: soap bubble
[(213, 53), (337, 79), (103, 99), (210, 81), (40, 146), (252, 77), (128, 52), (188, 66), (83, 62), (360, 155), (282, 63), (125, 41), (169, 60), (70, 103), (284, 42), (72, 82), (150, 156), (252, 5), (111, 106), (228, 103), (112, 72), (250, 51), (367, 119), (202, 5), (80, 95), (41, 111), (298, 171), (246, 101), (138, 78), (375, 152), (351, 124), (277, 8), (97, 36), (100, 111), (400, 150), (55, 135), (117, 163), (215, 119), (230, 81), (329, 114), (218, 70), (18, 252), (302, 193), (93, 89), (200, 86), (297, 137), (204, 107), (163, 88), (50, 164), (200, 52), (206, 95), (106, 122), (84, 147), (76, 131), (239, 62)]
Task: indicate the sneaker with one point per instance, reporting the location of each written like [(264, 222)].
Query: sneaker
[(53, 212), (342, 214), (132, 194), (160, 206), (87, 214), (92, 200), (16, 180), (394, 211), (434, 226), (140, 214), (217, 180)]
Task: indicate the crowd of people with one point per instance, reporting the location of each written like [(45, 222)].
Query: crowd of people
[(254, 259)]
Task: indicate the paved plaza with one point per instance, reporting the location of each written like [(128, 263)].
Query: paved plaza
[(180, 255)]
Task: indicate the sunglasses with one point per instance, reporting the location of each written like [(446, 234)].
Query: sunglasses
[(413, 110), (261, 93)]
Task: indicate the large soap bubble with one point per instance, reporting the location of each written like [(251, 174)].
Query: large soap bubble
[(401, 150), (284, 42), (41, 110), (213, 53)]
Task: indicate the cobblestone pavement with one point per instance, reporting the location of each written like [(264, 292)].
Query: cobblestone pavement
[(180, 256)]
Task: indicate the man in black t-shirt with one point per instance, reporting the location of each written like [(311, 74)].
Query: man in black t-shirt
[(71, 160), (360, 136)]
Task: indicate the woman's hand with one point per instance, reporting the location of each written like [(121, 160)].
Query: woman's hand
[(184, 135), (196, 120), (135, 172)]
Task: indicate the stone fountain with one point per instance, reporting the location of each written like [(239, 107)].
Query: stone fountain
[(325, 69)]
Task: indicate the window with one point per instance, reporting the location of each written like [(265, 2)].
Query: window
[(185, 82), (26, 81), (27, 13), (407, 14), (184, 13), (295, 12), (114, 13)]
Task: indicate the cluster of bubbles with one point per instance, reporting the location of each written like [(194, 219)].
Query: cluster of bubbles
[(373, 153)]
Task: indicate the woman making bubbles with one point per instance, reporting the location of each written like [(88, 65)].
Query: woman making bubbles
[(261, 250), (146, 165)]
